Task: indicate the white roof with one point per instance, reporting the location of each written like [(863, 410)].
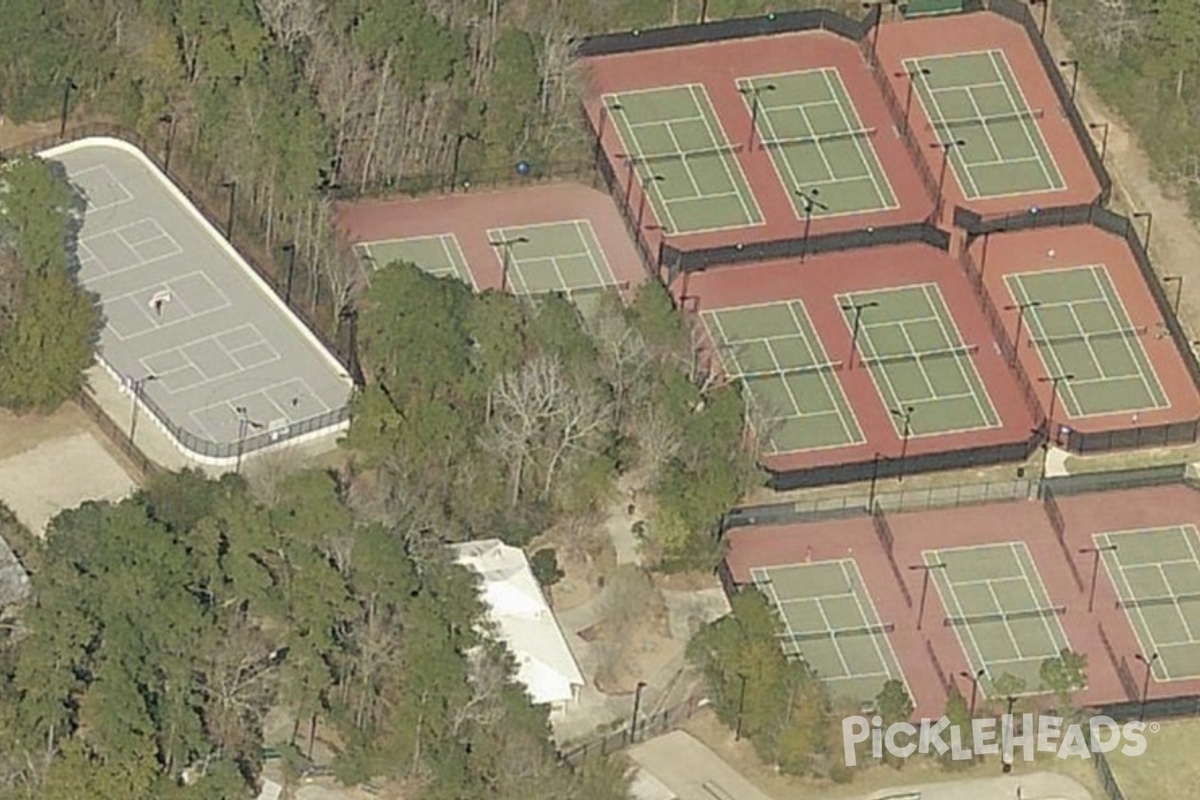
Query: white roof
[(523, 619)]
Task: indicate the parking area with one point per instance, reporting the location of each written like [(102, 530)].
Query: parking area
[(189, 327)]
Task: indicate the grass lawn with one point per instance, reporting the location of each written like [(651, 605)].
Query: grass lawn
[(1169, 767)]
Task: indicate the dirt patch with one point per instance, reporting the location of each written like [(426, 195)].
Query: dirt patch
[(21, 433), (586, 558), (35, 485)]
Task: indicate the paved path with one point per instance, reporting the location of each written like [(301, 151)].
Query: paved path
[(1029, 786), (691, 770)]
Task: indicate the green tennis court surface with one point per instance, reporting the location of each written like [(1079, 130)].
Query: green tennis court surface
[(1000, 612), (552, 257), (975, 98), (681, 155), (439, 255), (919, 361), (1156, 573), (1076, 320), (775, 352), (831, 623), (817, 141)]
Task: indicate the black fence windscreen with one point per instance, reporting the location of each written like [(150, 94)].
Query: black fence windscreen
[(724, 30)]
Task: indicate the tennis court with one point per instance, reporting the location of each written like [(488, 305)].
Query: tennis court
[(830, 621), (774, 351), (921, 367), (1000, 611), (552, 257), (1156, 573), (820, 149), (438, 255), (1080, 327), (674, 142), (976, 99)]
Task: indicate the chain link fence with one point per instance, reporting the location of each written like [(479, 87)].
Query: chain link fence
[(647, 728)]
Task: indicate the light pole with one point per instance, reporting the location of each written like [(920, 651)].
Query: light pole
[(458, 143), (1095, 551), (169, 121), (1045, 4), (1149, 217), (1103, 127), (68, 87), (809, 200), (637, 704), (703, 11), (926, 568), (1054, 381), (642, 200), (874, 480), (754, 92), (879, 4), (974, 679), (137, 387), (1020, 308), (858, 309), (911, 75), (231, 185), (1178, 281), (946, 147), (737, 733), (290, 249), (245, 425), (905, 415), (1149, 662), (506, 246), (1073, 63), (987, 237), (630, 165)]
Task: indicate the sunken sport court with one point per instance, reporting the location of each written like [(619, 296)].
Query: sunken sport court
[(208, 348)]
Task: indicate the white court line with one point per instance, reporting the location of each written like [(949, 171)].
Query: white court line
[(74, 179), (848, 111), (1008, 71), (940, 120)]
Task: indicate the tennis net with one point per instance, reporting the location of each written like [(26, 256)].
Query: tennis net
[(1160, 600), (819, 138), (928, 355), (783, 372), (686, 155), (1119, 333), (838, 633), (985, 120), (983, 619)]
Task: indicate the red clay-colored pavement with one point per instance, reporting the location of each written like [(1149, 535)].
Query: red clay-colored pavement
[(939, 36), (1084, 245), (469, 216), (1085, 515), (718, 66), (816, 282)]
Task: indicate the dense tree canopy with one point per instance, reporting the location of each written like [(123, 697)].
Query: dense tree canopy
[(165, 627), (48, 323)]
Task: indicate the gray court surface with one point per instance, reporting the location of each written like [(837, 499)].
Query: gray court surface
[(219, 340)]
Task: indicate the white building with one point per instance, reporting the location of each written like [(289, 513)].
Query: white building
[(524, 621)]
